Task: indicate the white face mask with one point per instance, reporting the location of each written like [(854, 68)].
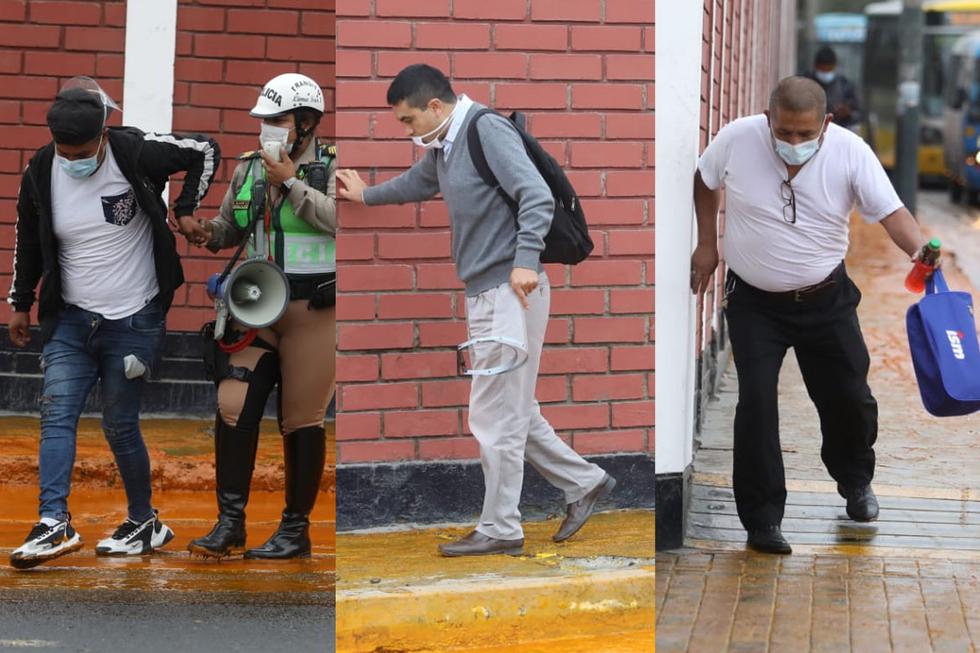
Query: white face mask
[(826, 77), (273, 138), (796, 155), (435, 143)]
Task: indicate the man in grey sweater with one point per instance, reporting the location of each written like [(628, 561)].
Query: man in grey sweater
[(507, 294)]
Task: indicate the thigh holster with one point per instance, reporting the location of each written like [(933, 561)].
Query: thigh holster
[(217, 362)]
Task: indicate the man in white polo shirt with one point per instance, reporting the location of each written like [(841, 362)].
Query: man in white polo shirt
[(791, 180)]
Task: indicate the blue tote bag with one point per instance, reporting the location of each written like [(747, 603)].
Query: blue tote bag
[(945, 353)]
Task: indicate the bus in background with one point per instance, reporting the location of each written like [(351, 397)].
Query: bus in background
[(944, 22), (961, 134)]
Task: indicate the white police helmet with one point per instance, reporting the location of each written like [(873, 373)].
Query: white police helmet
[(285, 93)]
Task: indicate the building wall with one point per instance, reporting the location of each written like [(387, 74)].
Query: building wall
[(745, 50), (225, 51), (718, 60), (583, 71)]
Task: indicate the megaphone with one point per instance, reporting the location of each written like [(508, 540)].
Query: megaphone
[(256, 293)]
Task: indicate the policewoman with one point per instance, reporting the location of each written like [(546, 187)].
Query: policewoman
[(297, 352)]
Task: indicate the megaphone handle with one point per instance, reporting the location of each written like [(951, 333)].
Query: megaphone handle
[(220, 320)]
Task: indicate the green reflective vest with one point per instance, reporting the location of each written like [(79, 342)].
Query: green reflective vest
[(296, 246)]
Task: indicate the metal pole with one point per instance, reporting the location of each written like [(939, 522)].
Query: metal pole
[(809, 48), (909, 91)]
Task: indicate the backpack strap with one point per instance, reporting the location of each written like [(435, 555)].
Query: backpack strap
[(480, 160)]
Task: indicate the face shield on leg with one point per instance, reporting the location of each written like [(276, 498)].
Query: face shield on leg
[(490, 355), (497, 341)]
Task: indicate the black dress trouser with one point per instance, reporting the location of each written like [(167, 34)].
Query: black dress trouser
[(824, 332)]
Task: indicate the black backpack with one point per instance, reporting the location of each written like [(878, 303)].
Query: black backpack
[(568, 239)]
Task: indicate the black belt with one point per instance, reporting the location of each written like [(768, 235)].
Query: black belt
[(805, 294), (304, 288)]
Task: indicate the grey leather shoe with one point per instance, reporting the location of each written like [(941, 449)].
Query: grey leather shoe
[(578, 512), (478, 544)]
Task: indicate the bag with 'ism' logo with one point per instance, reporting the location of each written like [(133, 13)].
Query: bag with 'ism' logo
[(945, 352)]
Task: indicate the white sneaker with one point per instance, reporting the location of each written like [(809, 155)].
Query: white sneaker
[(45, 543), (136, 538)]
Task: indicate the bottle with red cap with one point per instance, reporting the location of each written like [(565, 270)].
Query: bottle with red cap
[(924, 266)]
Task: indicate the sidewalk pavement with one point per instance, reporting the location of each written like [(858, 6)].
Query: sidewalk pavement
[(183, 485), (593, 593), (907, 582), (713, 601)]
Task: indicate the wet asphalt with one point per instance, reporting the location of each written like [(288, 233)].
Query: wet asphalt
[(144, 622)]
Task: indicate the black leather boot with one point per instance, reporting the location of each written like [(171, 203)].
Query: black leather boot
[(234, 461), (304, 454)]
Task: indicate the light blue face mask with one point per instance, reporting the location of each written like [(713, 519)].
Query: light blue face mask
[(80, 168), (797, 155), (825, 77)]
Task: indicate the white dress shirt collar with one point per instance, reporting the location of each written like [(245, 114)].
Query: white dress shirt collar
[(463, 104)]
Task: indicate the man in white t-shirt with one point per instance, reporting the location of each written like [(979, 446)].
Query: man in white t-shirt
[(791, 179), (92, 229)]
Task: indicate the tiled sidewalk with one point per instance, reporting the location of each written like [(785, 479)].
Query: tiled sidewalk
[(746, 602)]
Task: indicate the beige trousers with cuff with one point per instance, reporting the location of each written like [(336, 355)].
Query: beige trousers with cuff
[(505, 417)]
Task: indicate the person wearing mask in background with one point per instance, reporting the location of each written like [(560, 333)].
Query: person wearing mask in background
[(296, 352), (842, 95), (498, 259), (92, 228)]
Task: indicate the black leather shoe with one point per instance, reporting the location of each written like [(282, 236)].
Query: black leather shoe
[(862, 504), (478, 544), (769, 539), (577, 513)]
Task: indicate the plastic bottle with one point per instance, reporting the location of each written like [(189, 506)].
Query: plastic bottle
[(916, 279)]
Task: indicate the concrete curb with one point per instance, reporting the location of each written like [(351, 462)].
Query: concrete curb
[(491, 611)]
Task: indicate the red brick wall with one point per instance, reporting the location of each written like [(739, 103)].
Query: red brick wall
[(583, 71), (226, 51), (736, 77), (42, 45)]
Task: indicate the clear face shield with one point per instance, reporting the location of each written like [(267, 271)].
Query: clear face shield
[(92, 86), (490, 356)]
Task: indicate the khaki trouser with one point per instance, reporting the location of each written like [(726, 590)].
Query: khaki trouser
[(304, 346), (505, 417)]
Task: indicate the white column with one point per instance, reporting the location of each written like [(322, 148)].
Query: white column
[(678, 115), (151, 44)]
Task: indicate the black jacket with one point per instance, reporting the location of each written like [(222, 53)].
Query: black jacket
[(146, 160)]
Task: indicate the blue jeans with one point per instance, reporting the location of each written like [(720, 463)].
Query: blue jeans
[(86, 347)]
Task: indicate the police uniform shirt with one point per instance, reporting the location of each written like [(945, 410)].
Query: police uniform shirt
[(762, 247)]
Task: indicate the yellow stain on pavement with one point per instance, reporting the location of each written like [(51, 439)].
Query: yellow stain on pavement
[(97, 512), (851, 550), (181, 454), (396, 593), (634, 642)]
